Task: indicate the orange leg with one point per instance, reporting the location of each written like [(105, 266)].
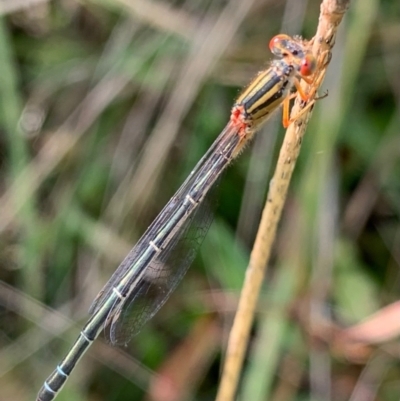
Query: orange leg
[(285, 112), (305, 97), (286, 120), (301, 112)]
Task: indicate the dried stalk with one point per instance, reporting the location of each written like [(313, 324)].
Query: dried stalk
[(332, 12)]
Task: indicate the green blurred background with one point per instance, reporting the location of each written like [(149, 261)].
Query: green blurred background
[(105, 107)]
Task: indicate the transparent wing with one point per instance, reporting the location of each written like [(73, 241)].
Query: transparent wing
[(162, 275), (226, 140)]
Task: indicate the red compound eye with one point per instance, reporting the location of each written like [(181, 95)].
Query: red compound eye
[(308, 65)]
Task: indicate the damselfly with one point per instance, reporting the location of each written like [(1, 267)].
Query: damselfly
[(162, 256)]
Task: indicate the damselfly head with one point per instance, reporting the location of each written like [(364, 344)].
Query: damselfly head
[(295, 51)]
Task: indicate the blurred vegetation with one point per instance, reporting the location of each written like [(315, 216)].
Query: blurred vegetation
[(105, 107)]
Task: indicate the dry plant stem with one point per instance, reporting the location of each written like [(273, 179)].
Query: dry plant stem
[(332, 12)]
